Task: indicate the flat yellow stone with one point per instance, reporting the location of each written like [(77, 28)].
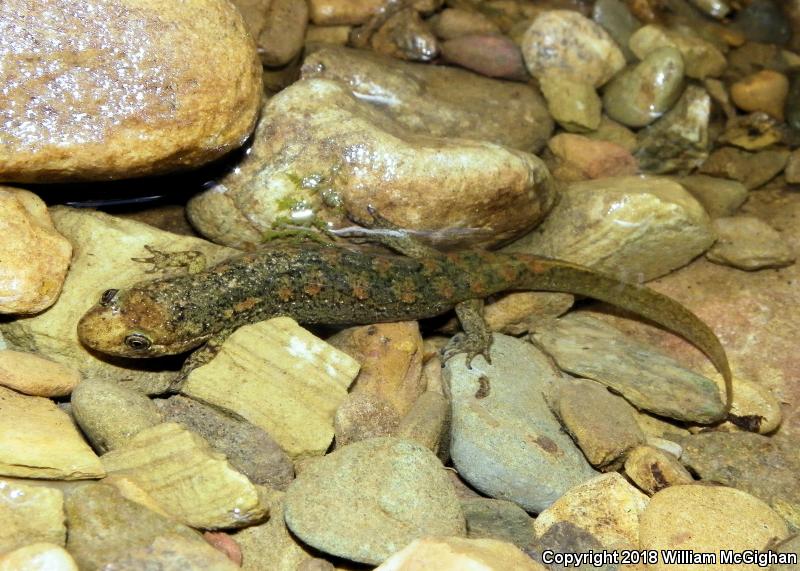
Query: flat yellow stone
[(189, 480), (30, 514), (38, 440), (281, 378), (34, 375)]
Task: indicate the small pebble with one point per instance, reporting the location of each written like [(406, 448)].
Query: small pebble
[(747, 243), (751, 169), (763, 466), (765, 91), (110, 414), (678, 141), (565, 41), (642, 93), (606, 506), (576, 158), (497, 519), (652, 469), (492, 56), (719, 196), (30, 514), (39, 440), (574, 104), (602, 424), (701, 58), (181, 472), (35, 256)]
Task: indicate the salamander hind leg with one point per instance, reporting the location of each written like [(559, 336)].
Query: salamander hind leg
[(192, 261), (476, 338)]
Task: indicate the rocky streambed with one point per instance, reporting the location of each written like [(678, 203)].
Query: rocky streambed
[(655, 141)]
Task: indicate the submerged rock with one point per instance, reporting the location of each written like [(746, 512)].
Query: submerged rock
[(643, 92), (585, 346), (678, 141), (751, 169), (38, 440), (707, 519), (35, 256), (636, 228), (186, 478), (30, 514), (505, 440), (762, 466), (457, 554), (747, 243), (438, 101), (98, 98), (701, 58), (107, 530), (369, 499), (565, 41), (606, 506), (321, 153), (281, 378)]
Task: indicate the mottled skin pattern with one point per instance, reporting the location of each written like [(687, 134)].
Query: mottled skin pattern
[(317, 284)]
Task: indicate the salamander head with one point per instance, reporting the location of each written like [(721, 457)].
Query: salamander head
[(131, 323)]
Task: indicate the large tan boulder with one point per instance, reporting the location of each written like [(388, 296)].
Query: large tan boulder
[(106, 89)]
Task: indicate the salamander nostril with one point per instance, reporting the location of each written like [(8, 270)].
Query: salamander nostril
[(108, 296)]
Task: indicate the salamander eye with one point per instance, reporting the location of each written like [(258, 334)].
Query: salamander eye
[(137, 342), (108, 296)]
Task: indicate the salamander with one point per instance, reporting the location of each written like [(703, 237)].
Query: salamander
[(331, 285)]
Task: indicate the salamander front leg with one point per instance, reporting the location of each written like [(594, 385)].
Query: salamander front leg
[(476, 338), (201, 356), (192, 261)]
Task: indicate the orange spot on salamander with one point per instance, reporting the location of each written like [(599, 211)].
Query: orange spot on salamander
[(246, 304), (405, 290), (382, 266), (478, 287), (430, 266), (284, 293), (312, 289), (360, 292), (537, 266), (444, 288)]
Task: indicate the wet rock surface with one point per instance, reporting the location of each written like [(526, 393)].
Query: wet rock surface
[(398, 489), (592, 225), (248, 448), (702, 518), (84, 116), (505, 440), (36, 257), (302, 165), (625, 365)]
